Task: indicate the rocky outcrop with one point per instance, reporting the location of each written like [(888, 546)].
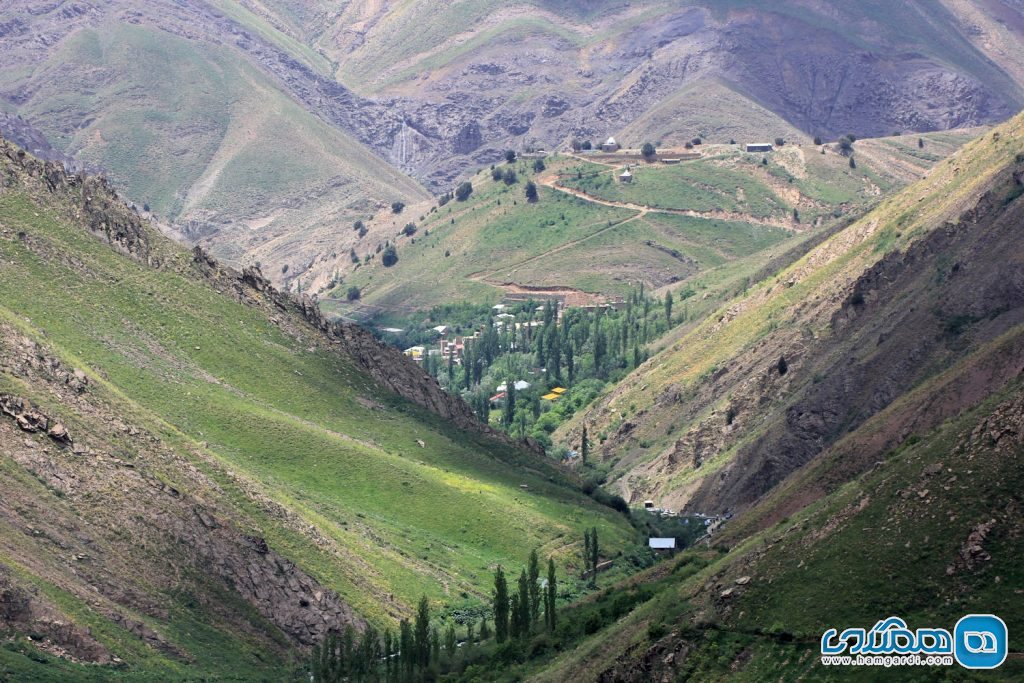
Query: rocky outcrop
[(93, 197)]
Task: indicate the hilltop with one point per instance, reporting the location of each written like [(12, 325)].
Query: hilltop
[(201, 476)]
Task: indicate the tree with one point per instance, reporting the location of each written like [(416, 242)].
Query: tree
[(779, 142), (388, 652), (586, 551), (451, 641), (584, 445), (510, 176), (587, 146), (406, 649), (538, 166), (594, 554), (920, 143), (668, 308), (853, 162), (510, 155), (353, 293), (550, 594), (817, 140), (782, 366), (524, 604), (533, 576), (409, 230), (396, 207), (501, 606), (796, 215), (327, 660), (463, 191), (485, 630), (648, 150), (357, 226), (422, 634), (389, 257), (531, 191), (846, 144), (510, 403)]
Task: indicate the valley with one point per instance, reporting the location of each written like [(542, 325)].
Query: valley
[(486, 341)]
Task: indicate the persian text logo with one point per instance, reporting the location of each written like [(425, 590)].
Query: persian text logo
[(979, 641)]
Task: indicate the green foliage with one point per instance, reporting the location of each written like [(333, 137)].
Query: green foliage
[(531, 191), (463, 191), (397, 207)]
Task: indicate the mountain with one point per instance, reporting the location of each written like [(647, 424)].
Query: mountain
[(703, 224), (201, 476), (289, 119), (760, 387), (855, 421), (193, 128)]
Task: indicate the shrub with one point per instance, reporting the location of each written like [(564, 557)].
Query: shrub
[(358, 226), (779, 142), (409, 230), (538, 166), (648, 150), (353, 293), (510, 176), (463, 191), (389, 257), (396, 207), (510, 155), (531, 192)]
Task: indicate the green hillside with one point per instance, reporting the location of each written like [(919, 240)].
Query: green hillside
[(852, 425), (197, 382), (253, 171), (716, 219)]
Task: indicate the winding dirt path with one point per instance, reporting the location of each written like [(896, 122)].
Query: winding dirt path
[(551, 181)]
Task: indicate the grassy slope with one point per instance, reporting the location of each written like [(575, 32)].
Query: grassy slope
[(439, 34), (565, 241), (298, 421), (866, 551), (865, 530), (711, 346), (241, 148)]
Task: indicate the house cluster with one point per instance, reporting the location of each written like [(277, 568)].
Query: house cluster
[(449, 345), (501, 391), (664, 512)]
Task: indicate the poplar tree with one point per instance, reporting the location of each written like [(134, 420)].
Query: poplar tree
[(534, 587), (550, 594), (501, 606), (422, 634)]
